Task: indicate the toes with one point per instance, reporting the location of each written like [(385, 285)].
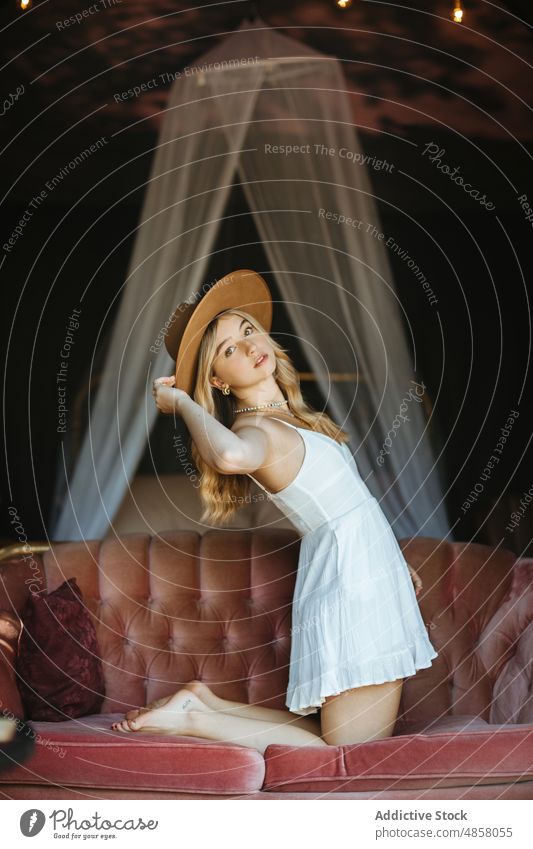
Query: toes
[(124, 725), (127, 725)]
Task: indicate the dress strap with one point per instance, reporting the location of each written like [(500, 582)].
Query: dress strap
[(283, 422), (259, 484)]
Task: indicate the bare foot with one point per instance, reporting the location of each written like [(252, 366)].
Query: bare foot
[(168, 716), (197, 687), (135, 712), (205, 694)]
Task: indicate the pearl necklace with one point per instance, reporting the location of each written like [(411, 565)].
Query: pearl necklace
[(262, 407)]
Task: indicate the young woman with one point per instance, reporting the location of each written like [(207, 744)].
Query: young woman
[(356, 631)]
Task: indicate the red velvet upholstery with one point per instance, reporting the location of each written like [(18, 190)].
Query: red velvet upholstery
[(217, 608), (457, 753)]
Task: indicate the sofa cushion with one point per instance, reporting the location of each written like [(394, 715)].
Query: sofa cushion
[(456, 751), (86, 752), (58, 663)]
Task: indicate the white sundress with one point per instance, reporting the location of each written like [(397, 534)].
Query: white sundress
[(355, 615)]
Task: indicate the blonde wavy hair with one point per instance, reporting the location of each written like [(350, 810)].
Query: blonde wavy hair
[(221, 495)]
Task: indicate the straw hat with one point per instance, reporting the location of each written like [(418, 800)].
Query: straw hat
[(242, 289)]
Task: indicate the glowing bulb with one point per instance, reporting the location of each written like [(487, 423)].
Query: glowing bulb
[(24, 4), (457, 12), (343, 4)]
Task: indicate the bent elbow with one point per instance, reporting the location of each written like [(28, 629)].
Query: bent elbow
[(228, 463)]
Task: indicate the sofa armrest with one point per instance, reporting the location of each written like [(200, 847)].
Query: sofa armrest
[(10, 701)]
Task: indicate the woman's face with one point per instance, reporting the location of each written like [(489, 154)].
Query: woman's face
[(237, 348)]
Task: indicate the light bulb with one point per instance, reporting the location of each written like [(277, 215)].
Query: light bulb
[(343, 4), (457, 14)]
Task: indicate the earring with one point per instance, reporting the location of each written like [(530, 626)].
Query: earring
[(226, 390)]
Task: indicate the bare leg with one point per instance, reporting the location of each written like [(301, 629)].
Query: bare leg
[(185, 714), (361, 714), (309, 723), (216, 703), (254, 733)]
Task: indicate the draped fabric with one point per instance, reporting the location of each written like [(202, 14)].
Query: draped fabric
[(274, 115)]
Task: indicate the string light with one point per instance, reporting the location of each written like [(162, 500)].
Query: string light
[(457, 14), (24, 4)]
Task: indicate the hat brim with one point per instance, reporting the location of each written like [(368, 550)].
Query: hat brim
[(243, 289)]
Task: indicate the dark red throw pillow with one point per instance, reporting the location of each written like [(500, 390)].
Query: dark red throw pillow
[(58, 659)]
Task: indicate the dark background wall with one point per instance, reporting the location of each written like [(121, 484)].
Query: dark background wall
[(415, 78)]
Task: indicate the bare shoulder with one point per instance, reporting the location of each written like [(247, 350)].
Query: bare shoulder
[(256, 445), (251, 421), (270, 426), (266, 436)]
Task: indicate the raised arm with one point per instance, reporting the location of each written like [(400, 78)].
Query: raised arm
[(226, 452)]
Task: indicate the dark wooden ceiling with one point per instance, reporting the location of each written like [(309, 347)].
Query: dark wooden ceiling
[(409, 67)]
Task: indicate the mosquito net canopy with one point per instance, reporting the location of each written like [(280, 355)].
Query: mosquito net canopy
[(274, 115)]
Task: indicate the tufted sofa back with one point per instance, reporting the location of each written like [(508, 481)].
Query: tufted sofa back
[(478, 608), (178, 606), (217, 607)]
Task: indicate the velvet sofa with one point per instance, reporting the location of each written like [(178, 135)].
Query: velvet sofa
[(217, 607)]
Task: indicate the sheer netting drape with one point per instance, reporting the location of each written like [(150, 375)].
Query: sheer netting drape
[(188, 189), (229, 122)]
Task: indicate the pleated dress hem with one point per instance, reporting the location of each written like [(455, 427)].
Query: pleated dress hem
[(379, 670)]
